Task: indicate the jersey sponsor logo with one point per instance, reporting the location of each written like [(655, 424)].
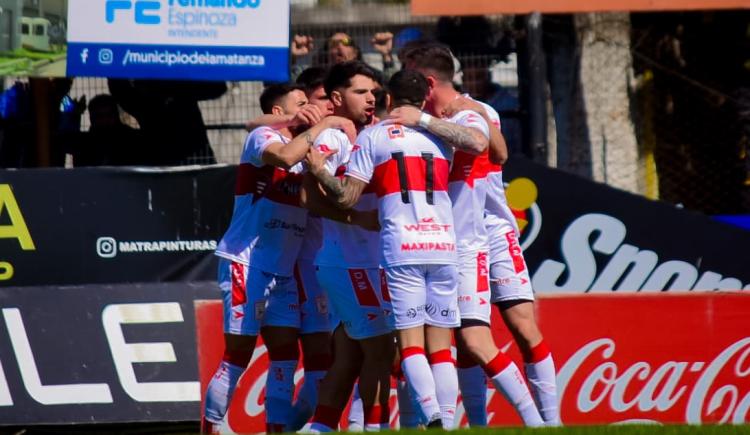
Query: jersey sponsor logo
[(395, 132), (429, 246), (274, 224), (427, 226), (323, 148)]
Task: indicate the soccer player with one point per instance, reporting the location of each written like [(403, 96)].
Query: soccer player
[(409, 172), (257, 255), (468, 190), (348, 265)]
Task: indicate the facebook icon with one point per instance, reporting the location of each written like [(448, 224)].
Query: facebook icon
[(142, 10)]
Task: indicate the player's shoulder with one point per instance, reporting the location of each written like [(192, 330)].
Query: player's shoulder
[(332, 139)]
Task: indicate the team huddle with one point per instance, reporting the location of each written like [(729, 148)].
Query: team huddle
[(370, 229)]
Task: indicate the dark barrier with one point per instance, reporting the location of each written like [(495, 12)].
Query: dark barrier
[(104, 354), (85, 226), (584, 236), (124, 225)]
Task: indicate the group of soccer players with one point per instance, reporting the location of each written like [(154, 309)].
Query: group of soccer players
[(377, 246)]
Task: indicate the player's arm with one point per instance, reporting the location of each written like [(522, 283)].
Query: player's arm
[(287, 155), (315, 200), (343, 192), (467, 139), (498, 147)]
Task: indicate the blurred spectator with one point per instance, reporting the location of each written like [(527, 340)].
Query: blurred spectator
[(36, 118), (169, 117), (340, 47), (109, 142)]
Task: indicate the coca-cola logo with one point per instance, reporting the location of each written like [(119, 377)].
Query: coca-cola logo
[(716, 391)]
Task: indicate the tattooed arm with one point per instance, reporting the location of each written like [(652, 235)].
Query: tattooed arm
[(315, 200), (287, 155), (463, 138), (343, 192)]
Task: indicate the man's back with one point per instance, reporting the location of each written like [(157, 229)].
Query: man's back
[(408, 169)]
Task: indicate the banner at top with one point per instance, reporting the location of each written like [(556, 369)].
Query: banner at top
[(179, 39)]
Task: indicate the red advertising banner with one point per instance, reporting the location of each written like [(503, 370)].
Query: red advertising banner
[(666, 358)]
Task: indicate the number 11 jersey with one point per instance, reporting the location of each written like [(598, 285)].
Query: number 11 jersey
[(408, 169)]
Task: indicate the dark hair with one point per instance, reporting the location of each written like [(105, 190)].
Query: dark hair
[(430, 56), (102, 101), (273, 93), (408, 87), (340, 75), (311, 78)]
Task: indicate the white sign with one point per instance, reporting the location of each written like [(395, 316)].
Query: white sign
[(183, 39)]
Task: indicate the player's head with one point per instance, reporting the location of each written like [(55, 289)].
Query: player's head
[(311, 79), (342, 48), (408, 88), (351, 86), (435, 62), (282, 99)]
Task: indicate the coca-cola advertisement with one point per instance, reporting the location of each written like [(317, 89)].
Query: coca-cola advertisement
[(664, 358)]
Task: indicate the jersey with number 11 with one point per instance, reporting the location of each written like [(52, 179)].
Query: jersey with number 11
[(408, 169)]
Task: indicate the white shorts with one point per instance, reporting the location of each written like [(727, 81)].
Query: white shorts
[(314, 315), (356, 300), (253, 299), (423, 294), (474, 288), (509, 275)]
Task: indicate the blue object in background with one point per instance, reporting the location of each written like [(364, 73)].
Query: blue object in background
[(742, 221)]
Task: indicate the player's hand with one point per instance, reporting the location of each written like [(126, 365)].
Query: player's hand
[(343, 124), (316, 160), (406, 115), (463, 103), (309, 115), (382, 42), (367, 220), (301, 45)]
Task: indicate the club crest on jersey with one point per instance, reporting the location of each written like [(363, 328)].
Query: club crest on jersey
[(395, 131)]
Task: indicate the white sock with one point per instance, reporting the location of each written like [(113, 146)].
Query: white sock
[(220, 391), (356, 417), (419, 376), (508, 380), (446, 385), (541, 376), (279, 391), (473, 384), (408, 417), (307, 400)]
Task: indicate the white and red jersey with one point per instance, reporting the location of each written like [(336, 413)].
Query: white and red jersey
[(344, 245), (313, 238), (468, 189), (268, 223), (498, 215), (408, 169)]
